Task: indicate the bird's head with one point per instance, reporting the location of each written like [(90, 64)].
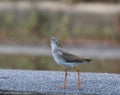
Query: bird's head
[(54, 42)]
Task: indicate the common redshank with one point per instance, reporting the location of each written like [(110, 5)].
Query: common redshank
[(66, 59)]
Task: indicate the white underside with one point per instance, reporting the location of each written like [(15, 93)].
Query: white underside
[(60, 61)]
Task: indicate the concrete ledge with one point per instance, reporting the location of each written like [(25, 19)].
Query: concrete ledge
[(24, 82)]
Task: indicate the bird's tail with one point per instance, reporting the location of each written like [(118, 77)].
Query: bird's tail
[(88, 60)]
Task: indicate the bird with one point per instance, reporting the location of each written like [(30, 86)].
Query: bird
[(66, 60)]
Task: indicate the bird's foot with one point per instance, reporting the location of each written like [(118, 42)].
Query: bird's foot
[(62, 86), (78, 87)]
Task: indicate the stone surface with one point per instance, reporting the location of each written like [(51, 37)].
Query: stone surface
[(46, 82)]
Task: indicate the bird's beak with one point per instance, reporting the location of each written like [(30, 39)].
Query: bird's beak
[(59, 44)]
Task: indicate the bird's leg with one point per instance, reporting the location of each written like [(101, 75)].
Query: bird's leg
[(65, 78), (78, 77)]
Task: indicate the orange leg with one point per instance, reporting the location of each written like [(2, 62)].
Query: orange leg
[(64, 85), (78, 77)]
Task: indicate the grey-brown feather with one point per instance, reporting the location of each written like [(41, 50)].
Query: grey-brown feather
[(68, 57)]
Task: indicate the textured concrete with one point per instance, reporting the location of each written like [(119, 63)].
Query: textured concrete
[(46, 82)]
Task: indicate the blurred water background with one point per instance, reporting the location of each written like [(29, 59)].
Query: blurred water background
[(87, 28)]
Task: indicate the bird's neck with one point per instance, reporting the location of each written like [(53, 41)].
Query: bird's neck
[(54, 47)]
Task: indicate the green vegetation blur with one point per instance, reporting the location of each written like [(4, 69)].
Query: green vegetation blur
[(35, 27), (47, 63)]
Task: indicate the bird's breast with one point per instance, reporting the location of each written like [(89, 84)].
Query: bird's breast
[(57, 58)]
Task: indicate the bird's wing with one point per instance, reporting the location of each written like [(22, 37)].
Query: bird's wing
[(68, 57)]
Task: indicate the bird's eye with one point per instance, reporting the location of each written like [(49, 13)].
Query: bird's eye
[(55, 39)]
